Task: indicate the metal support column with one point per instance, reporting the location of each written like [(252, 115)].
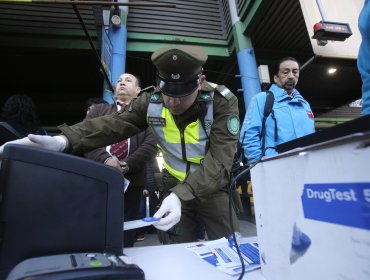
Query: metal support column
[(246, 58), (117, 35)]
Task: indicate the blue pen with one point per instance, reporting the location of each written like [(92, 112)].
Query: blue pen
[(147, 207), (147, 215)]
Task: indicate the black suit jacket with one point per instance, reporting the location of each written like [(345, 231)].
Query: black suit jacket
[(142, 148)]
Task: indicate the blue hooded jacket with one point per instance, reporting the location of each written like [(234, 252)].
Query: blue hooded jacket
[(294, 118)]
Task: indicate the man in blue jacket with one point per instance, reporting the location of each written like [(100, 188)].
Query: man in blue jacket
[(291, 116)]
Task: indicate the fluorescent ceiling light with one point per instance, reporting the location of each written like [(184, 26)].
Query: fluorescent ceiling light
[(332, 70)]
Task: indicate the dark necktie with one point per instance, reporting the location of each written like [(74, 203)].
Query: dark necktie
[(120, 149)]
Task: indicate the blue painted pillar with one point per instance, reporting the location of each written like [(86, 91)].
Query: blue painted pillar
[(246, 58), (249, 74), (118, 38)]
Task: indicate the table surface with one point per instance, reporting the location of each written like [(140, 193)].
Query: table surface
[(176, 262)]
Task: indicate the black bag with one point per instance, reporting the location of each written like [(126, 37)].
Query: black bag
[(266, 112)]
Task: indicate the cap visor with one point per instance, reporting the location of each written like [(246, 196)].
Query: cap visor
[(173, 89)]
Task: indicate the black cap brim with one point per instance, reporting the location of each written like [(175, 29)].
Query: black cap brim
[(178, 89)]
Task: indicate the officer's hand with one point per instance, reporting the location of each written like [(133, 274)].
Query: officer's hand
[(52, 143), (22, 141), (170, 210)]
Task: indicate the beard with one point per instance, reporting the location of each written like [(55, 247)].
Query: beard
[(289, 86)]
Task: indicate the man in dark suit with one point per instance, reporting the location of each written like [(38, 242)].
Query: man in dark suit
[(128, 156)]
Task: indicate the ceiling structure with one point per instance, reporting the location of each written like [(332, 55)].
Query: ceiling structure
[(279, 30), (61, 79), (45, 54)]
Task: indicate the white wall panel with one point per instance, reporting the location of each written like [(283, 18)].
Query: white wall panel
[(345, 11)]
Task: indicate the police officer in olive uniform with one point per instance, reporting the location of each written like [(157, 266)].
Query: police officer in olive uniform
[(196, 124)]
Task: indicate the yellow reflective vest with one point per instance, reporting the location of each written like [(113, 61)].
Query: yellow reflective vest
[(183, 150)]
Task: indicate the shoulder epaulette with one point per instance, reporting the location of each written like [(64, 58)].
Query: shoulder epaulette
[(149, 89), (206, 86), (224, 91)]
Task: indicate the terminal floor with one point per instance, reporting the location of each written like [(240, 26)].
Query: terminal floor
[(247, 228)]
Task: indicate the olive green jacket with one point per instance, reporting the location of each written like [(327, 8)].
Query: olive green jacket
[(211, 177)]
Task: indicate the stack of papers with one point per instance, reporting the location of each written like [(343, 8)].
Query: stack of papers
[(222, 255)]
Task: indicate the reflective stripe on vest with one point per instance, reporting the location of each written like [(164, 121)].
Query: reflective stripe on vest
[(170, 143)]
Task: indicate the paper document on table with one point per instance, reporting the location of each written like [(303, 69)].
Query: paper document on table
[(220, 254), (138, 223)]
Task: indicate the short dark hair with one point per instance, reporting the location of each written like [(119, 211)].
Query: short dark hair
[(276, 68), (21, 108), (138, 81)]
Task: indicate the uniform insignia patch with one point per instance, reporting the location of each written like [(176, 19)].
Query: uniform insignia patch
[(205, 96), (208, 123), (154, 97), (156, 121), (175, 76), (233, 124)]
